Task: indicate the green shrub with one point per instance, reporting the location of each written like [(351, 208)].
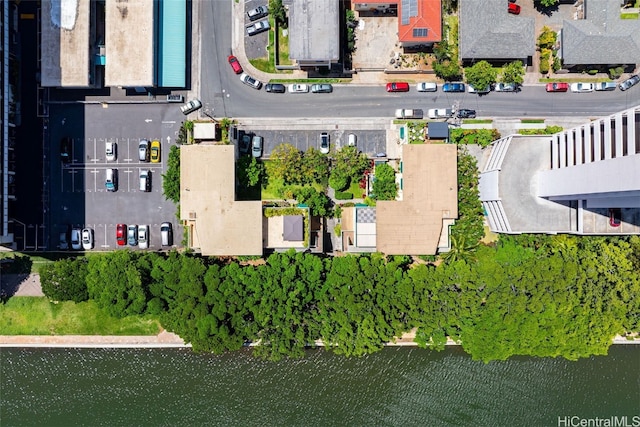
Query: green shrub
[(549, 130), (592, 72), (343, 195), (481, 137), (338, 181)]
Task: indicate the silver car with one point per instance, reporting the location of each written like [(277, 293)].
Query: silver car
[(143, 236), (258, 13), (256, 146), (630, 82), (250, 81), (258, 27), (321, 88), (191, 106), (132, 235)]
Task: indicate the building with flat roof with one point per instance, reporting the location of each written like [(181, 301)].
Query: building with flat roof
[(65, 43), (217, 224), (314, 32), (567, 182)]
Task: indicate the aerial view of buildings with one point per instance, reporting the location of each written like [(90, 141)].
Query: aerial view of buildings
[(352, 166)]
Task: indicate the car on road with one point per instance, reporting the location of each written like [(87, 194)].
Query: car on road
[(235, 65), (581, 87), (143, 150), (258, 12), (408, 114), (397, 87), (132, 235), (630, 82), (324, 143), (87, 239), (111, 180), (258, 27), (465, 113), (76, 243), (120, 234), (111, 151), (484, 91), (143, 236), (351, 140), (514, 8), (275, 88), (191, 106), (298, 88), (440, 113), (145, 181), (506, 87), (605, 86), (256, 146), (250, 81), (557, 87), (615, 217), (426, 87), (453, 87), (166, 234), (321, 88), (155, 151), (66, 145)]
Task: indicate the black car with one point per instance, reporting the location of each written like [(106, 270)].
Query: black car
[(466, 114), (275, 88), (244, 142), (65, 149)]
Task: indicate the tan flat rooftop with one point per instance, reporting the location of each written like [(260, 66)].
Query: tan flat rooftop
[(413, 226), (129, 43), (219, 224), (65, 43)]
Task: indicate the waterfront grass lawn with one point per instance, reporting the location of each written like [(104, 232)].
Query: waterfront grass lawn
[(39, 316)]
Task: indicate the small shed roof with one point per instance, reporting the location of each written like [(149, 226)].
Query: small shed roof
[(438, 130), (293, 228)]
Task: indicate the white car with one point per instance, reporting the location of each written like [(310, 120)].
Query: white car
[(440, 113), (143, 236), (506, 87), (111, 151), (426, 87), (191, 106), (581, 87), (324, 143), (87, 239), (250, 81), (298, 88), (351, 140), (479, 91)]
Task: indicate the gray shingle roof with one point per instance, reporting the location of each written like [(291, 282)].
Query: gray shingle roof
[(601, 38), (488, 31)]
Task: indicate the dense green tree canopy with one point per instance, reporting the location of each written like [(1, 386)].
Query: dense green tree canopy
[(65, 280), (480, 75)]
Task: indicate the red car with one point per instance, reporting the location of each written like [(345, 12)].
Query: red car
[(233, 61), (398, 87), (557, 87), (121, 231), (514, 8)]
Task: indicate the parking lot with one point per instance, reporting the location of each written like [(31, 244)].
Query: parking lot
[(78, 195)]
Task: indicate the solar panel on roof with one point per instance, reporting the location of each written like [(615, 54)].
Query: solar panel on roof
[(419, 32), (409, 10)]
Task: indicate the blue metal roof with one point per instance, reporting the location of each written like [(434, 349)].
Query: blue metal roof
[(172, 56)]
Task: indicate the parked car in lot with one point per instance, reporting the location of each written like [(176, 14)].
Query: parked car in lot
[(111, 151), (557, 87), (324, 143), (250, 81), (166, 234), (256, 146), (397, 87), (87, 239), (155, 151), (506, 87), (581, 87), (235, 65), (615, 217), (191, 106), (143, 236), (145, 180), (76, 243), (321, 88), (121, 230), (63, 241), (605, 86), (143, 150), (440, 113), (409, 114), (275, 88), (351, 140), (132, 235), (298, 88), (630, 82), (514, 8), (426, 87), (465, 113), (66, 145), (453, 87), (258, 12), (483, 91), (244, 142), (111, 180), (258, 27)]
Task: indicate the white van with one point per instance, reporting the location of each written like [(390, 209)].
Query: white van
[(145, 180), (111, 182)]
